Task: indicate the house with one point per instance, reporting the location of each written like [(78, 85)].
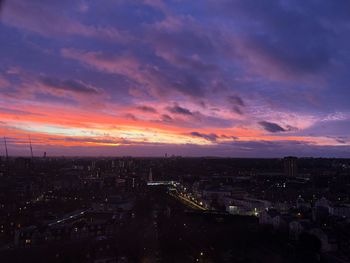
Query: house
[(281, 222), (340, 210), (297, 227), (266, 216)]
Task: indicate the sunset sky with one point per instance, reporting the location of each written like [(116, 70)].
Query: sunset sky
[(195, 78)]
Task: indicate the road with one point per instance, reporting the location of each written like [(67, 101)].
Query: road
[(187, 201)]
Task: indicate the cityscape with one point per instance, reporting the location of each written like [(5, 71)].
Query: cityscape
[(174, 209), (145, 131)]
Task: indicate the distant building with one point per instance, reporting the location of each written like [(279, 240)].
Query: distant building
[(247, 206), (340, 210), (150, 175), (290, 166), (321, 209), (266, 216), (281, 222), (302, 205), (297, 227)]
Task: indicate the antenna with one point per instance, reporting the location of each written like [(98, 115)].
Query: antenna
[(30, 146), (7, 158), (7, 154)]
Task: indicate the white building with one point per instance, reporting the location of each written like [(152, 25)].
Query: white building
[(246, 206), (340, 211)]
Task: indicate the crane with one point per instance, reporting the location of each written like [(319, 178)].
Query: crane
[(30, 146)]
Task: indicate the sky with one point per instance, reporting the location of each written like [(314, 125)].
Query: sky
[(193, 78)]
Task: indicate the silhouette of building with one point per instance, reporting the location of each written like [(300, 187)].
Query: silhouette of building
[(290, 166), (150, 176)]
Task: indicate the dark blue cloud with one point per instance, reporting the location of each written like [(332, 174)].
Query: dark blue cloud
[(166, 118), (69, 85), (210, 137), (145, 108), (271, 127), (179, 110)]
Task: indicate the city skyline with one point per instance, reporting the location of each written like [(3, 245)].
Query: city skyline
[(149, 77)]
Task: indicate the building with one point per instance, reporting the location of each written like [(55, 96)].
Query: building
[(266, 216), (340, 210), (150, 175), (247, 206), (290, 166), (297, 227)]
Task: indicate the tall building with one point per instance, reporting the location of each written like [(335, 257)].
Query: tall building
[(290, 166), (150, 176)]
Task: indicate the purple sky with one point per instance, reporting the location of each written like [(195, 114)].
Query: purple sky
[(149, 77)]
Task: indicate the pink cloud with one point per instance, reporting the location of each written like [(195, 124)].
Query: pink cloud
[(158, 4), (258, 62), (124, 65), (171, 23), (3, 82), (41, 20), (144, 75), (29, 86)]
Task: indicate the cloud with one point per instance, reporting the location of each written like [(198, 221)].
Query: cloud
[(187, 40), (130, 116), (158, 80), (210, 137), (329, 127), (40, 18), (193, 62), (286, 42), (111, 141), (213, 137), (237, 110), (107, 62), (158, 4), (271, 126), (237, 103), (148, 109), (17, 112), (236, 100), (4, 82), (83, 7), (189, 84), (341, 140), (26, 86), (179, 110), (166, 118), (230, 66), (71, 85)]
